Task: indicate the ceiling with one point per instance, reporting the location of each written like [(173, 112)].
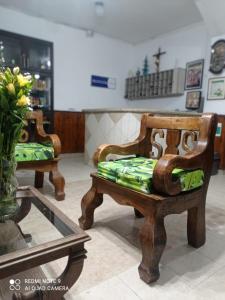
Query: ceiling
[(133, 21)]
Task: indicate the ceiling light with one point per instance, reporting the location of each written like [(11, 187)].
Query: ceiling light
[(99, 8), (89, 33)]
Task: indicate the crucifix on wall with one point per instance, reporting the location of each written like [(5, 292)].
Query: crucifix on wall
[(157, 59)]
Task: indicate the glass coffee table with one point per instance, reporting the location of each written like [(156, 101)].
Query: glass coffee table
[(40, 233)]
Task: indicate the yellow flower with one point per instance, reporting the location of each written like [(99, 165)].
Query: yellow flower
[(22, 80), (11, 89), (16, 70), (23, 101)]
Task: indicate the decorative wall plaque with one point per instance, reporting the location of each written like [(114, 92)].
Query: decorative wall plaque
[(217, 62)]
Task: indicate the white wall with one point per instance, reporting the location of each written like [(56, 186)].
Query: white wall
[(181, 46), (76, 57), (213, 14)]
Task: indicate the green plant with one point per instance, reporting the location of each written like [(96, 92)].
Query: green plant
[(14, 101), (14, 104), (146, 66)]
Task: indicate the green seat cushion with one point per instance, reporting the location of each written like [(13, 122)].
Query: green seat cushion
[(136, 173), (34, 152)]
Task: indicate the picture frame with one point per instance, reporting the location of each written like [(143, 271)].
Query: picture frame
[(193, 99), (216, 88), (194, 74)]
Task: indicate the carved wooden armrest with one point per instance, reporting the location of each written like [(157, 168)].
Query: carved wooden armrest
[(42, 136), (140, 146), (162, 174), (106, 149), (53, 139)]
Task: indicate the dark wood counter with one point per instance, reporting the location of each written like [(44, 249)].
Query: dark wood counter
[(70, 127), (219, 142)]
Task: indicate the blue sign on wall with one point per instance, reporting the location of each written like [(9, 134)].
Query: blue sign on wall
[(103, 82)]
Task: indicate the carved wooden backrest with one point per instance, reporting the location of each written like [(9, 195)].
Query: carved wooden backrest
[(162, 134), (172, 141), (33, 123)]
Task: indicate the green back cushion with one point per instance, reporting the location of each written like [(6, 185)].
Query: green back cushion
[(136, 173), (33, 152)]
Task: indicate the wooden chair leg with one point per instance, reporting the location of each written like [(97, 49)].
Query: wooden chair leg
[(196, 226), (138, 214), (89, 203), (39, 179), (58, 181), (153, 242)]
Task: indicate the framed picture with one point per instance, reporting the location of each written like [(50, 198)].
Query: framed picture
[(193, 100), (194, 74), (216, 88)]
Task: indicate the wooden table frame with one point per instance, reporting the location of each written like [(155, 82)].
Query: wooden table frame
[(71, 246)]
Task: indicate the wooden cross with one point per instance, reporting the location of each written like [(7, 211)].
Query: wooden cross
[(157, 59)]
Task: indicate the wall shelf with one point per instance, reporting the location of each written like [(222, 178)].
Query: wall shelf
[(169, 83)]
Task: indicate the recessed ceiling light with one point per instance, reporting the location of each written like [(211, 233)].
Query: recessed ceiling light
[(89, 33)]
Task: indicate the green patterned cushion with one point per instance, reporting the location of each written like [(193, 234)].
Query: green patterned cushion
[(34, 151), (136, 173)]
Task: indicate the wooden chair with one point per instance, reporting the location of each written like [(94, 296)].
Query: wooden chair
[(46, 165), (167, 197)]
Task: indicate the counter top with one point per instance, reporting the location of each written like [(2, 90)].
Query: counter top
[(137, 110)]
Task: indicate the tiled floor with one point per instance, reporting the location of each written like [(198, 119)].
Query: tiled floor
[(110, 271)]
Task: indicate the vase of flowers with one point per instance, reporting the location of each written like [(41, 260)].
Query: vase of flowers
[(14, 104)]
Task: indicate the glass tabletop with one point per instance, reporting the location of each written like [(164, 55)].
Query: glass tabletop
[(41, 223)]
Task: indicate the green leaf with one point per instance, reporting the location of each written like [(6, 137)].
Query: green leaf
[(4, 103), (20, 93), (1, 141), (8, 75)]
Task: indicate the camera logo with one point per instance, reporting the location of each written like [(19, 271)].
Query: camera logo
[(14, 284)]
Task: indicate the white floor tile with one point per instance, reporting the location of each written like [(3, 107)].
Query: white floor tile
[(163, 289), (213, 288), (112, 289), (193, 268)]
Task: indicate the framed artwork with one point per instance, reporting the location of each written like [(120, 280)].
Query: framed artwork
[(194, 74), (217, 61), (193, 100), (216, 88)]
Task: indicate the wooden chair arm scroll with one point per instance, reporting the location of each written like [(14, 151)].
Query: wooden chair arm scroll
[(53, 139), (41, 135), (140, 146), (199, 158), (104, 150), (162, 174)]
